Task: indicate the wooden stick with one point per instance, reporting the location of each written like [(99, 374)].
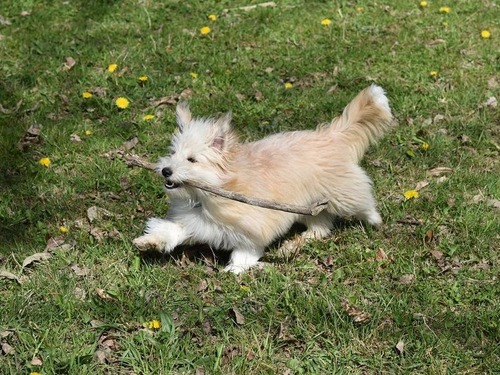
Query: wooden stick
[(133, 160)]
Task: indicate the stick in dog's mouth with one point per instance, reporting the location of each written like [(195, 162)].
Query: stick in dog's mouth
[(133, 160)]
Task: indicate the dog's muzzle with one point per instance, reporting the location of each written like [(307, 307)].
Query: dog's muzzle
[(169, 184)]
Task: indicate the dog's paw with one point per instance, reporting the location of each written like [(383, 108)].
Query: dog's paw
[(291, 247), (149, 242), (240, 268)]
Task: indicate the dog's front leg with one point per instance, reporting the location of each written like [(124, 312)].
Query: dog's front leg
[(161, 235), (243, 259)]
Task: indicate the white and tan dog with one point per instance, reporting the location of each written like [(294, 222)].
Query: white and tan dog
[(299, 168)]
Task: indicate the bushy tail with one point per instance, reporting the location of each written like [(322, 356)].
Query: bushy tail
[(364, 120)]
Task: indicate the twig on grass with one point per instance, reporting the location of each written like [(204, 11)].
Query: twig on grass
[(133, 160)]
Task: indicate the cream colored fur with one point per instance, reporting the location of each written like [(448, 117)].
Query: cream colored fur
[(298, 168)]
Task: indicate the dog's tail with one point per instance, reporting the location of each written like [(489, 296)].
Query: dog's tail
[(364, 120)]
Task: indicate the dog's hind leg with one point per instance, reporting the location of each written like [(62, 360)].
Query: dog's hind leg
[(161, 235), (318, 227), (243, 259)]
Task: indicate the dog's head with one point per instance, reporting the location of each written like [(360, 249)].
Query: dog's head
[(200, 150)]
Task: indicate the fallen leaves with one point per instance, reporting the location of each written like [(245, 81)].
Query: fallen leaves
[(237, 316), (400, 347), (37, 257), (357, 315), (69, 63), (10, 276), (31, 137)]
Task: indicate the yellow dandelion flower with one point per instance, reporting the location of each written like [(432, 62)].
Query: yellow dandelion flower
[(212, 17), (326, 22), (485, 34), (44, 162), (411, 194), (122, 102), (194, 75), (359, 9), (444, 10), (63, 229), (35, 373), (87, 95), (424, 146), (288, 85), (148, 117), (205, 30), (433, 73), (112, 68), (154, 324), (143, 78), (424, 4), (88, 132)]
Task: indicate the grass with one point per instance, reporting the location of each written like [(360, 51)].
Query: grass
[(433, 292)]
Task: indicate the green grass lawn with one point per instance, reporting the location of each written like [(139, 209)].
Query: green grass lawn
[(420, 295)]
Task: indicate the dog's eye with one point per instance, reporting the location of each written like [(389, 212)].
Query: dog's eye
[(191, 160)]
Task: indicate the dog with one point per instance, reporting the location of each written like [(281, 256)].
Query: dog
[(298, 167)]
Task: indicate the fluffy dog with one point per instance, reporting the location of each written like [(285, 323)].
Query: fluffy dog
[(299, 168)]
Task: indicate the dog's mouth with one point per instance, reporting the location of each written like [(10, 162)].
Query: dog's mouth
[(169, 184)]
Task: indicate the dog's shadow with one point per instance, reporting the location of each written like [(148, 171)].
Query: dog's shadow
[(185, 256)]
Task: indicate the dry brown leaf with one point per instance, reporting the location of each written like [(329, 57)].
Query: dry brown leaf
[(206, 327), (31, 136), (80, 271), (100, 357), (102, 294), (10, 276), (25, 13), (53, 243), (98, 213), (491, 102), (492, 83), (357, 315), (7, 349), (381, 256), (494, 203), (6, 333), (438, 118), (410, 221), (75, 138), (96, 323), (246, 8), (436, 254), (238, 317), (98, 234), (80, 293), (70, 62), (421, 184), (37, 257), (36, 362), (400, 346), (407, 279), (229, 353), (240, 97), (199, 371), (329, 261), (202, 286), (130, 144), (258, 95), (429, 236)]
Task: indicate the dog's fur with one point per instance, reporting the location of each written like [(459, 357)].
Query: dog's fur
[(299, 168)]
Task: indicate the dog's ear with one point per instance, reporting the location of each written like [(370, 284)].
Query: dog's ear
[(183, 114), (223, 130)]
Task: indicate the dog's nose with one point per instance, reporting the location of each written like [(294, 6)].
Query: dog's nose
[(166, 172)]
